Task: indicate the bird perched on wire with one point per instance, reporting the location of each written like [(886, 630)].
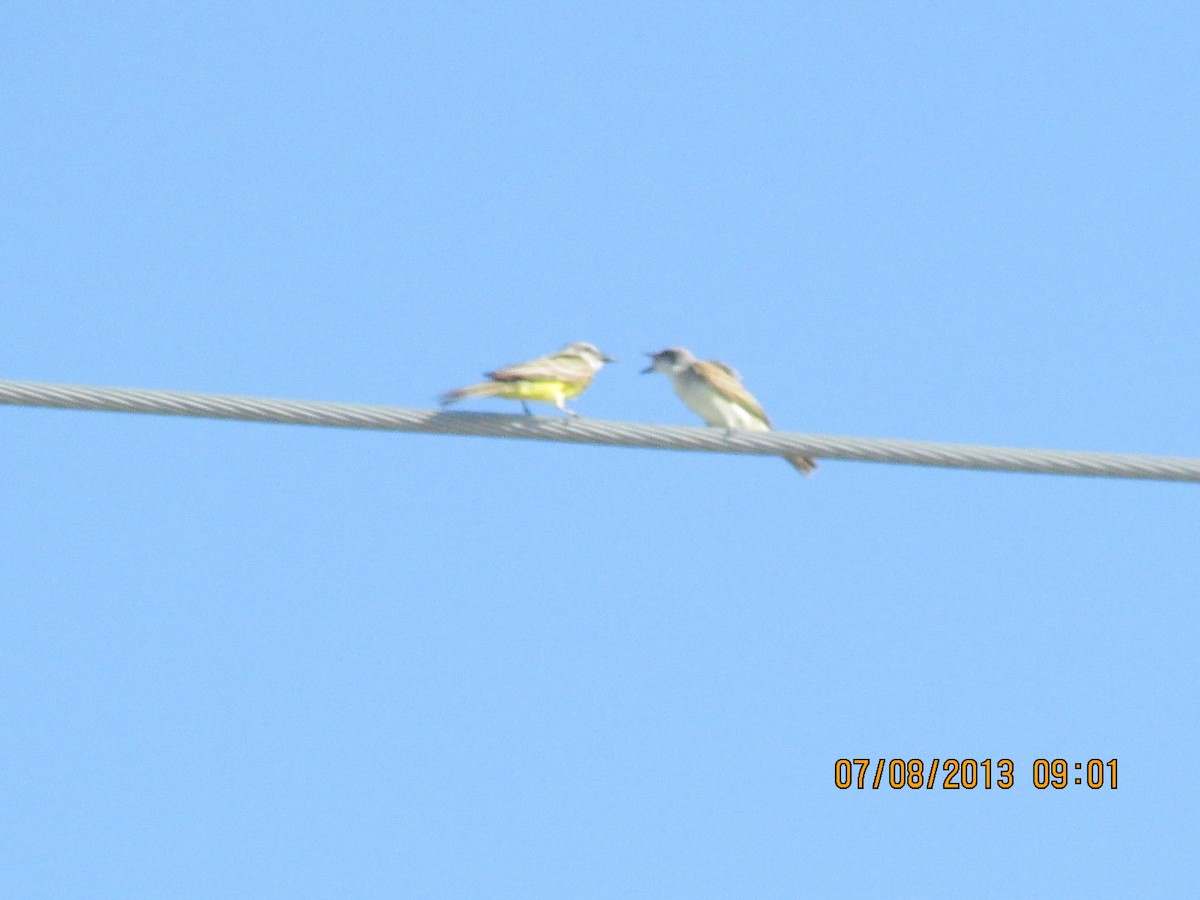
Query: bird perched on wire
[(713, 390), (554, 378)]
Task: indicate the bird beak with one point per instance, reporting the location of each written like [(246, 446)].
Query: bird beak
[(650, 368), (607, 358)]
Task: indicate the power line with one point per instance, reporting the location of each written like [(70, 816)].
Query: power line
[(595, 431)]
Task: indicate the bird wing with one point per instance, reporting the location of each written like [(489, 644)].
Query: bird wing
[(727, 367), (725, 382), (565, 367)]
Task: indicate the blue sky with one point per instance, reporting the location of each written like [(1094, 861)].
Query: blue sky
[(268, 661)]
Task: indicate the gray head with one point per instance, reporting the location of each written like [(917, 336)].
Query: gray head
[(671, 361), (590, 353)]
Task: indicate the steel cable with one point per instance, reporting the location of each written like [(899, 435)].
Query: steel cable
[(596, 431)]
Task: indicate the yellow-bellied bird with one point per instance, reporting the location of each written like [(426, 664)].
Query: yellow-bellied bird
[(548, 379)]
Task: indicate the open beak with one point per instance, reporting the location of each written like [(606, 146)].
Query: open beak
[(650, 368)]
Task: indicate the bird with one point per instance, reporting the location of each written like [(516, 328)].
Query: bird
[(553, 378), (713, 390)]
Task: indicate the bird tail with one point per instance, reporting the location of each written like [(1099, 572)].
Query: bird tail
[(803, 464), (484, 389)]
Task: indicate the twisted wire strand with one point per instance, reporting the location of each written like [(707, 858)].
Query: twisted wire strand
[(596, 431)]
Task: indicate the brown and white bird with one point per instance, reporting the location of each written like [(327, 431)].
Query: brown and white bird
[(548, 379), (714, 392)]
